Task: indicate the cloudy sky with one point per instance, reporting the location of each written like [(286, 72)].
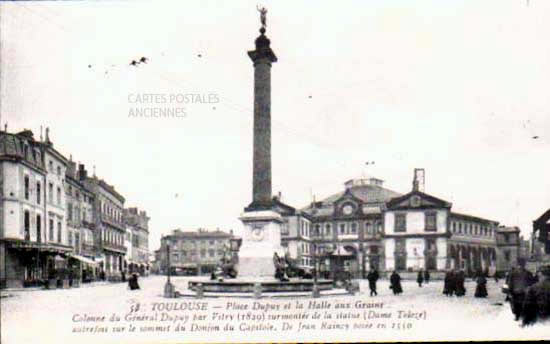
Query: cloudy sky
[(460, 88)]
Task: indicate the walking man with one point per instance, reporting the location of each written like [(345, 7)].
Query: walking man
[(373, 278), (420, 277)]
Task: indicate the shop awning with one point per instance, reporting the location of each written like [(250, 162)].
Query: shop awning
[(84, 259)]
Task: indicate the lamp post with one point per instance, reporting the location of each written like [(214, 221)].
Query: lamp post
[(168, 287)]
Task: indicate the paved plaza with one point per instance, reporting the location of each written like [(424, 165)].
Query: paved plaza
[(49, 312)]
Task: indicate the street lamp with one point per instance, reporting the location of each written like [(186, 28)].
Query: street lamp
[(169, 291)]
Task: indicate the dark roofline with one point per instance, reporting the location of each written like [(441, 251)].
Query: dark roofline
[(543, 219), (111, 190), (54, 152), (197, 234), (473, 218)]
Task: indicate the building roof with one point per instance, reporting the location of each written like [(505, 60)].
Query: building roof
[(473, 218), (198, 234), (12, 147), (502, 229), (366, 193)]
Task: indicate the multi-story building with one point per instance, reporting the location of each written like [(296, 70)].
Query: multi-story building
[(110, 229), (367, 226), (193, 252), (32, 209), (137, 241), (79, 213), (347, 227)]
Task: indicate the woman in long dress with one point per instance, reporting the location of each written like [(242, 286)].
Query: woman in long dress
[(481, 288), (395, 281)]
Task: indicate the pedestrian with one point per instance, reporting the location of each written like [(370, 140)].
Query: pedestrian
[(519, 280), (420, 278), (481, 287), (496, 277), (123, 273), (460, 290), (536, 306), (373, 276), (395, 283), (449, 283), (133, 282), (426, 276)]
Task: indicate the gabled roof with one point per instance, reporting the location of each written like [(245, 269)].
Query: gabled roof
[(427, 201)]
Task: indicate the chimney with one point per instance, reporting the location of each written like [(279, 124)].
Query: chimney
[(82, 173), (419, 180), (71, 169)]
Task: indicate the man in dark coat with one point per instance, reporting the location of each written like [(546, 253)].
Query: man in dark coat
[(372, 277), (481, 287), (449, 283), (395, 281), (536, 306), (133, 282), (460, 290), (426, 276), (518, 281), (420, 278)]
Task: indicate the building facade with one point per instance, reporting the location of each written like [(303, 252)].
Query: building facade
[(370, 227), (193, 252), (137, 241), (33, 238), (110, 230)]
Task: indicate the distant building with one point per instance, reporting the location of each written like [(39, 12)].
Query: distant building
[(110, 229), (347, 228), (193, 252), (368, 226), (137, 241)]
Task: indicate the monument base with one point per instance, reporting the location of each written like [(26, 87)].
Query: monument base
[(261, 239)]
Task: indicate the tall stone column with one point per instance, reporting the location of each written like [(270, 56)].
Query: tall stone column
[(262, 226), (262, 57)]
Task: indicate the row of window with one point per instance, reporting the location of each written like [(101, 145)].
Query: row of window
[(113, 212), (28, 191), (77, 194), (345, 228), (38, 224), (430, 222), (471, 229), (193, 253), (74, 214), (112, 236)]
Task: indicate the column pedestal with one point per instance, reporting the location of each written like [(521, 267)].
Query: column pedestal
[(261, 239)]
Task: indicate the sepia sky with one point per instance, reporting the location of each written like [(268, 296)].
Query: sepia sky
[(460, 88)]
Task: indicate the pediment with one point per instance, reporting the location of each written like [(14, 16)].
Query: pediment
[(417, 200)]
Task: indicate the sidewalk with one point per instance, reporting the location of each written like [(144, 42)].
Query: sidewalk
[(10, 291)]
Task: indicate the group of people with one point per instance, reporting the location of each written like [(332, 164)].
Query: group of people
[(528, 294), (453, 284), (422, 276)]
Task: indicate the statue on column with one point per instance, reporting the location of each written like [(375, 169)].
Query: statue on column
[(263, 12)]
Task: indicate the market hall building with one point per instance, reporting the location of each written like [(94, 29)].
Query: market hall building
[(369, 227)]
